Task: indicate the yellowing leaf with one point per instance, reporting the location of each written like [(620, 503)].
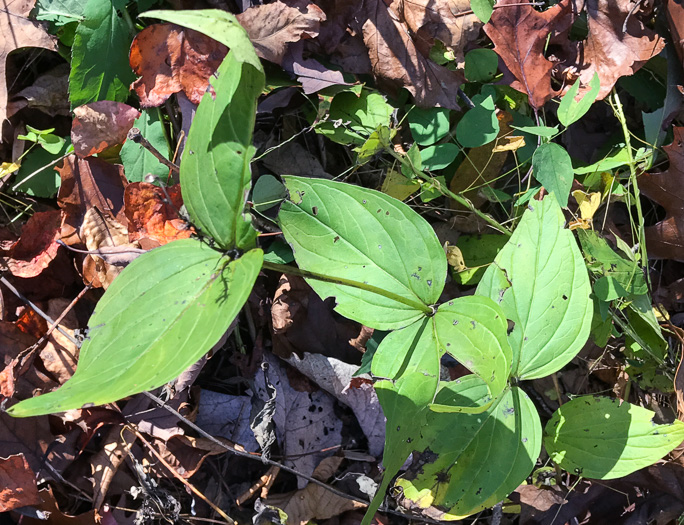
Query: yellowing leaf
[(588, 204), (398, 186), (7, 168), (509, 143)]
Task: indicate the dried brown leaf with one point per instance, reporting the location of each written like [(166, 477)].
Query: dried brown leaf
[(151, 215), (37, 247), (17, 483), (271, 27), (101, 125)]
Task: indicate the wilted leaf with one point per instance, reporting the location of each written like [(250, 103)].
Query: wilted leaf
[(101, 125), (519, 33), (170, 59), (271, 27), (18, 31), (153, 213), (665, 240)]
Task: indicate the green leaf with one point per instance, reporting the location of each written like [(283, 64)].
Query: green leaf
[(597, 437), (352, 119), (220, 25), (59, 12), (473, 461), (163, 313), (473, 331), (478, 252), (439, 156), (215, 170), (479, 126), (39, 165), (541, 131), (481, 65), (553, 168), (99, 56), (540, 281), (377, 142), (138, 162), (267, 193), (603, 260), (483, 9), (428, 126), (570, 110), (347, 232)]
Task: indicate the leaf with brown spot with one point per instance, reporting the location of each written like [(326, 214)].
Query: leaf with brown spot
[(17, 483), (170, 59), (519, 33), (271, 27), (101, 125), (151, 215), (665, 240), (18, 31)]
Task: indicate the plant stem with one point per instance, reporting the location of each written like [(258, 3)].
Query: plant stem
[(641, 235), (445, 191), (293, 270)]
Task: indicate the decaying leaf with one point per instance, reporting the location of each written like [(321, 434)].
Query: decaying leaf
[(18, 31), (170, 59), (100, 125), (152, 212), (314, 502), (519, 33), (271, 27), (37, 247), (665, 240), (17, 483)]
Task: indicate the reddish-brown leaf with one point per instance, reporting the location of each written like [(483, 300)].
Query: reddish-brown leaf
[(100, 125), (18, 31), (170, 59), (37, 247), (519, 34), (151, 215), (675, 17), (271, 27), (665, 240), (17, 483), (87, 183)]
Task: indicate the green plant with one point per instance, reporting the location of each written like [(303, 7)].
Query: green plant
[(478, 437)]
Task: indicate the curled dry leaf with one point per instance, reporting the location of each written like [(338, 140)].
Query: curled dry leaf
[(17, 483), (101, 125), (271, 27), (151, 214), (107, 241), (37, 247), (170, 59), (519, 33), (314, 502), (665, 240)]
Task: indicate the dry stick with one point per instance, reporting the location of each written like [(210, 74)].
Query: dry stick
[(135, 136), (189, 485)]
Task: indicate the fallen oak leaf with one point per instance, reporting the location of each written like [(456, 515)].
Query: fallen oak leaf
[(665, 240), (271, 27), (101, 125), (519, 33)]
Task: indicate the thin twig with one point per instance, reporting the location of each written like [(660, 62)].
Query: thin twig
[(134, 135)]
